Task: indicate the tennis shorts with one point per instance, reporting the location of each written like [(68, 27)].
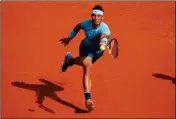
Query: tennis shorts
[(85, 50)]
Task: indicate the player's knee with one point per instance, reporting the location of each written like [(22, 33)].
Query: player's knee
[(86, 70), (87, 67), (87, 62)]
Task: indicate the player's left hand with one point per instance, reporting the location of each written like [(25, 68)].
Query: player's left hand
[(64, 41)]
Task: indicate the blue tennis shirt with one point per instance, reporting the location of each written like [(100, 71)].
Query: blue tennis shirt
[(92, 38)]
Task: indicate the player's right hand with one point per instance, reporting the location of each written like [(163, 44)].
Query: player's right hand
[(64, 41)]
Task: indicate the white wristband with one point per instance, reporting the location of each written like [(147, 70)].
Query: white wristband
[(104, 41)]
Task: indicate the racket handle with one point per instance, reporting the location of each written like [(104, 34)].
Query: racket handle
[(108, 49)]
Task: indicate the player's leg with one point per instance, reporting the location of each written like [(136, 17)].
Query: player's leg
[(85, 60), (83, 53), (77, 60), (87, 64), (69, 60)]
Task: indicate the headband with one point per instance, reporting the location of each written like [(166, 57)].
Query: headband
[(97, 12)]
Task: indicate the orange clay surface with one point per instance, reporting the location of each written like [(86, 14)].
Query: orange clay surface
[(136, 84)]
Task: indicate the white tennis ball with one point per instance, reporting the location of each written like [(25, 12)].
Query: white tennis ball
[(102, 47)]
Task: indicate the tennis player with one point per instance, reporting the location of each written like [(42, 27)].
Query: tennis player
[(90, 50)]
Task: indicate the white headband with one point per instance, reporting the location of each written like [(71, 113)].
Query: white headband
[(97, 12)]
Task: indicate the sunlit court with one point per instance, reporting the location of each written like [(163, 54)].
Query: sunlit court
[(139, 83)]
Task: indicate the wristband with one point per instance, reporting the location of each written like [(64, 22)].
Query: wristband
[(104, 41), (72, 34)]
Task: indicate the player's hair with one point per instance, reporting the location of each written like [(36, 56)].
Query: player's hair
[(98, 7)]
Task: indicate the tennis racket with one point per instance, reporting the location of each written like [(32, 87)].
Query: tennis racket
[(113, 48)]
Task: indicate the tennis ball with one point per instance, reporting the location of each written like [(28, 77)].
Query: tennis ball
[(102, 47)]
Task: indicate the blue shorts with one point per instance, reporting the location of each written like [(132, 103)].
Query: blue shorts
[(85, 51)]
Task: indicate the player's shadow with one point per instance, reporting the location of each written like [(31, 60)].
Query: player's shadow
[(48, 89), (165, 77)]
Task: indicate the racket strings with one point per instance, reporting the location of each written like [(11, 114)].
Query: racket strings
[(113, 46)]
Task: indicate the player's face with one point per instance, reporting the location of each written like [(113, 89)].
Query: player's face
[(97, 18)]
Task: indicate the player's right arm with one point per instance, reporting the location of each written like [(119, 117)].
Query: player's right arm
[(76, 29), (104, 37), (72, 34)]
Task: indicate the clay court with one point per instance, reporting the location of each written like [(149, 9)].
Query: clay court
[(138, 84)]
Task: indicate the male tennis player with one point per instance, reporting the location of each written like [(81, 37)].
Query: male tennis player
[(90, 50)]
